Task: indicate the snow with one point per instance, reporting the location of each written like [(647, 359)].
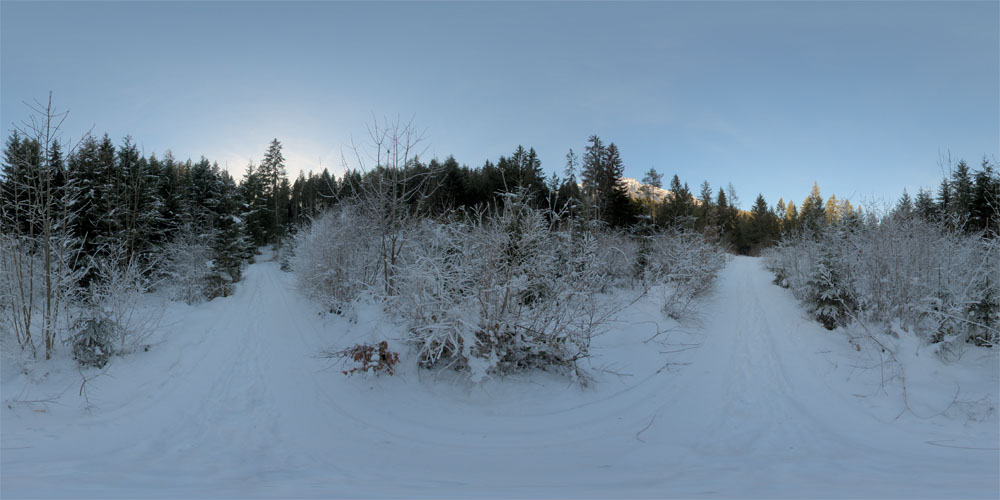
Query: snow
[(750, 399)]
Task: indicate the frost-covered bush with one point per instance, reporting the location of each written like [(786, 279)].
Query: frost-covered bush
[(37, 293), (684, 262), (286, 254), (336, 258), (115, 295), (499, 291), (93, 341), (187, 265), (937, 282), (615, 252)]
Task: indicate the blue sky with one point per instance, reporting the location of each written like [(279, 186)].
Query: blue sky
[(862, 97)]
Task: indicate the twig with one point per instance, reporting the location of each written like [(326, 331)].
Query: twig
[(645, 428), (680, 350)]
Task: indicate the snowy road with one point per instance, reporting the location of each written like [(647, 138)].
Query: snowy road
[(234, 404)]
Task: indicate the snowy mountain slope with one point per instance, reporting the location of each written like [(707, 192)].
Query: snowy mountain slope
[(634, 188), (753, 400)]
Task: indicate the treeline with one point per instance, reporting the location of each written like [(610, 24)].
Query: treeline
[(113, 201), (119, 196), (968, 200), (592, 186), (67, 216)]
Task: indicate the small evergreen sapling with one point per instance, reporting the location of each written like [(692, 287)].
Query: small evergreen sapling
[(93, 341)]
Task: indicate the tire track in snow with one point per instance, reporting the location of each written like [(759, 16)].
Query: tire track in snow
[(246, 411)]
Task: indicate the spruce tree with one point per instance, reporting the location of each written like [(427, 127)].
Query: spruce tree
[(832, 210), (679, 206), (569, 189), (813, 212), (618, 205), (780, 212), (962, 189), (725, 219), (255, 207), (652, 181), (944, 198), (232, 245), (984, 213), (763, 226), (572, 163), (904, 206), (592, 170), (87, 181), (924, 204), (273, 177), (790, 224)]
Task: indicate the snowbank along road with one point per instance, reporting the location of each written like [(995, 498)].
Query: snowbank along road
[(751, 400)]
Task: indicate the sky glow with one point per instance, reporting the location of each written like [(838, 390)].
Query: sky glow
[(862, 97)]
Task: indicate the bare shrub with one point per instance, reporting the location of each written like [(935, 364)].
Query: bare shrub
[(337, 258), (685, 263), (187, 264), (115, 296), (377, 359), (39, 256), (39, 287)]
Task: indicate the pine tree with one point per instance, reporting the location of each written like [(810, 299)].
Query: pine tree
[(832, 210), (984, 213), (569, 190), (706, 212), (650, 182), (86, 179), (827, 293), (109, 199), (618, 205), (780, 212), (813, 212), (791, 223), (962, 189), (603, 186), (20, 184), (592, 170), (297, 202), (254, 209), (572, 163), (679, 207), (171, 194), (725, 220), (139, 212), (203, 193), (272, 173), (232, 245), (924, 204), (904, 206), (944, 200), (763, 226)]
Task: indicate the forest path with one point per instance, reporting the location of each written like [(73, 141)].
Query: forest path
[(235, 403)]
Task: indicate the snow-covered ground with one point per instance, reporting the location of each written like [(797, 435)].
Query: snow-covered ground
[(752, 399)]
